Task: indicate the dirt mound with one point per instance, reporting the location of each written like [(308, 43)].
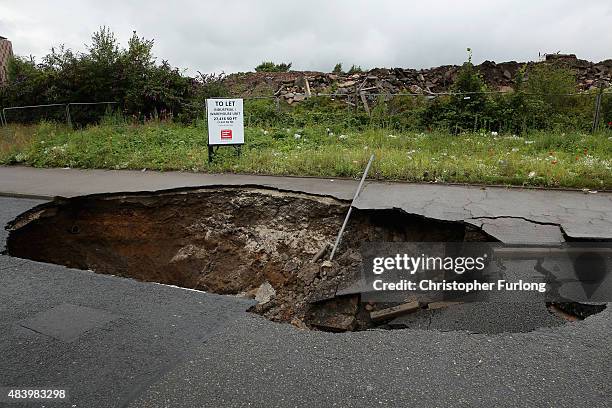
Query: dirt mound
[(291, 86)]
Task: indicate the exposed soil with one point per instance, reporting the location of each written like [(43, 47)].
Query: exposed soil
[(227, 240)]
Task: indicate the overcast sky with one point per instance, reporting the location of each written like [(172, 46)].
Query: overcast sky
[(235, 35)]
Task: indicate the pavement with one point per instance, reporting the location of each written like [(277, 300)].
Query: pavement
[(116, 342), (509, 214)]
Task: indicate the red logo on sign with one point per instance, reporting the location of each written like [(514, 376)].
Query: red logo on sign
[(226, 134)]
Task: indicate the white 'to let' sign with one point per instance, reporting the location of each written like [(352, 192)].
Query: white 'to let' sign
[(225, 121)]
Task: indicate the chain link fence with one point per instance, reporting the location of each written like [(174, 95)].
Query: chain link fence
[(455, 112), (452, 111)]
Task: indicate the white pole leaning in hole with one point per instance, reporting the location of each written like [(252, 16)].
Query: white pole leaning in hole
[(348, 214)]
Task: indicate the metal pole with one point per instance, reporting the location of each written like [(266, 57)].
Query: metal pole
[(348, 214), (597, 108), (68, 120)]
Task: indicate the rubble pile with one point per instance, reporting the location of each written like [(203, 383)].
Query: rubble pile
[(295, 86)]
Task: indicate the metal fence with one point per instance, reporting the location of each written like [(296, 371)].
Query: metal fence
[(54, 111), (588, 110)]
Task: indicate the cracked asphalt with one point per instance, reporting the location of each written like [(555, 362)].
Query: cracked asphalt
[(171, 347), (508, 214)]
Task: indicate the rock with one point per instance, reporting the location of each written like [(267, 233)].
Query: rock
[(299, 324), (291, 266), (507, 74), (335, 315), (416, 89), (264, 293), (395, 311), (308, 273), (347, 84), (298, 98)]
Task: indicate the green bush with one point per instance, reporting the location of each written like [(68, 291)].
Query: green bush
[(105, 72), (269, 66), (355, 69)]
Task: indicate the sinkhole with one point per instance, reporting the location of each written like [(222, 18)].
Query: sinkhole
[(261, 243)]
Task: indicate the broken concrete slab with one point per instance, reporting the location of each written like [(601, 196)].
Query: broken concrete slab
[(518, 230), (577, 215), (391, 312), (337, 314), (264, 293)]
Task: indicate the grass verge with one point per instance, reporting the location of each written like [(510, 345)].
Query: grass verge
[(546, 159)]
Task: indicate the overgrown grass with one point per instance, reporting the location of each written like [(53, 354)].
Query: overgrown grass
[(540, 159)]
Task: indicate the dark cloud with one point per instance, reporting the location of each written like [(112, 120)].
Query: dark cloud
[(236, 35)]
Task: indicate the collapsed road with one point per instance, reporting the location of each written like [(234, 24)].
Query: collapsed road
[(165, 346), (253, 242)]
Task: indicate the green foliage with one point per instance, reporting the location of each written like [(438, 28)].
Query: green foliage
[(129, 76), (269, 66), (551, 80), (355, 69), (337, 68), (575, 159), (543, 96), (606, 111)]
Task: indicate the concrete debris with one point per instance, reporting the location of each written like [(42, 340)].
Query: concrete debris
[(265, 293), (391, 312), (296, 86)]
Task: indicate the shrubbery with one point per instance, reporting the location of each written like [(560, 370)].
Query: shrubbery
[(269, 66), (544, 95), (129, 76)]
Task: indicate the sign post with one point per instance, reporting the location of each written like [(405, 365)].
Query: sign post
[(225, 124)]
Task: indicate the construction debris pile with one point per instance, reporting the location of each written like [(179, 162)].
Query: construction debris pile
[(295, 86)]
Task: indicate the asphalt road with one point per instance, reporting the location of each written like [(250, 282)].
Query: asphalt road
[(148, 345)]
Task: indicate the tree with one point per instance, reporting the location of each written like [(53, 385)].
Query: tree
[(106, 72), (355, 69), (269, 66), (550, 82)]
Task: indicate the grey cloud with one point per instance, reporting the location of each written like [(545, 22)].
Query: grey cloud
[(214, 36)]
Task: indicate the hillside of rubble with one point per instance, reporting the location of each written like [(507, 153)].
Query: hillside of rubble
[(295, 86)]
